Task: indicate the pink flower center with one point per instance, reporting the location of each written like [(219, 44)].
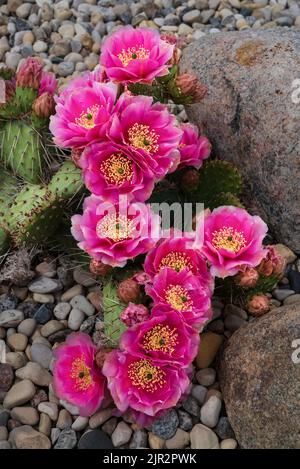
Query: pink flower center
[(178, 297), (141, 136), (176, 261), (115, 227), (117, 169), (228, 238), (161, 338), (146, 376), (87, 118), (133, 53), (81, 373)]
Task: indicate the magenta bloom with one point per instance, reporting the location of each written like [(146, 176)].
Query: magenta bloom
[(134, 314), (148, 129), (114, 233), (76, 378), (177, 253), (82, 113), (193, 148), (184, 293), (233, 239), (164, 339), (132, 55), (110, 170), (48, 83), (142, 384)]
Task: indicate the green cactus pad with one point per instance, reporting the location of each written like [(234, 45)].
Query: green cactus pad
[(33, 217), (264, 285), (67, 182), (216, 178), (21, 150), (225, 198), (112, 308), (8, 190), (4, 241)]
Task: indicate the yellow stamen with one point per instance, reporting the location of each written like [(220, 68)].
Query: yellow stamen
[(115, 227), (140, 136), (176, 261), (81, 373), (178, 297), (117, 169), (87, 118), (161, 338), (228, 238), (144, 375), (133, 53)]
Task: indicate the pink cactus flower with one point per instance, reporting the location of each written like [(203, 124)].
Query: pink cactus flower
[(48, 83), (132, 55), (142, 278), (232, 239), (134, 314), (165, 338), (81, 81), (184, 293), (177, 253), (76, 378), (148, 129), (193, 147), (114, 233), (110, 169), (82, 114), (142, 384)]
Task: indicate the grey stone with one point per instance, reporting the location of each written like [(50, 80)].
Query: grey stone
[(260, 380), (19, 394), (165, 426), (45, 285), (185, 420), (41, 354), (239, 89), (11, 318), (95, 439), (66, 440)]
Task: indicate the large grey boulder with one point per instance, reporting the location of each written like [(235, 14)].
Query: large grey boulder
[(259, 375), (251, 119)]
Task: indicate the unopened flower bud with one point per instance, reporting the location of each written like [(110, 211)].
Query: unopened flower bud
[(248, 278), (44, 105), (142, 278), (258, 305), (98, 268), (189, 85), (30, 73), (101, 356), (272, 264), (190, 180), (129, 291), (134, 314)]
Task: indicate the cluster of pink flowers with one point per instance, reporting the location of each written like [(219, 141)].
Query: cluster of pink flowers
[(150, 372), (124, 145)]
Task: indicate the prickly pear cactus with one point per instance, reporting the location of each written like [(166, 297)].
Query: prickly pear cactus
[(32, 219), (67, 182), (21, 151), (219, 184), (112, 308)]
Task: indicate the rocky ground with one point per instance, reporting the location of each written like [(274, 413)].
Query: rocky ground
[(59, 298), (68, 34)]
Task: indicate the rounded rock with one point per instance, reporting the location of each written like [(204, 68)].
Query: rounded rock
[(19, 394)]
